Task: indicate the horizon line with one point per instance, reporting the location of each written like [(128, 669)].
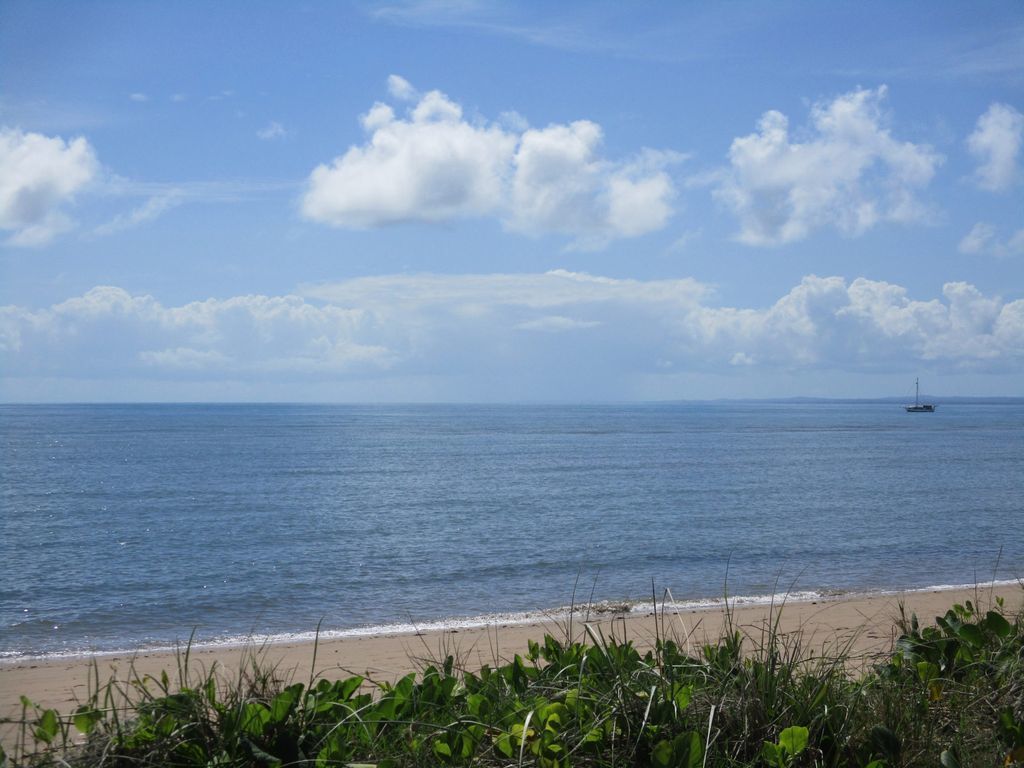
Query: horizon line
[(881, 400)]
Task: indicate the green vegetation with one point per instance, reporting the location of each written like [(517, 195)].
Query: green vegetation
[(948, 695)]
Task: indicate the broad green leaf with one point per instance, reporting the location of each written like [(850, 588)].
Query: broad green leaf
[(281, 705), (47, 726), (254, 718), (926, 671), (478, 705), (503, 745), (465, 745), (997, 624), (349, 686), (404, 688), (681, 695), (794, 740), (85, 719), (770, 754), (572, 700), (689, 750), (972, 635), (443, 751), (662, 754), (533, 650)]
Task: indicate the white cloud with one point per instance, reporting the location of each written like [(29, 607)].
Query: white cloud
[(431, 167), (557, 332), (273, 130), (557, 288), (996, 143), (153, 208), (561, 185), (822, 323), (400, 88), (138, 97), (436, 165), (513, 121), (849, 173), (556, 324), (185, 359), (108, 331), (982, 239), (978, 239), (38, 175)]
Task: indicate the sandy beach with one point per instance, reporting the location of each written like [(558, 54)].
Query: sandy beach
[(862, 624)]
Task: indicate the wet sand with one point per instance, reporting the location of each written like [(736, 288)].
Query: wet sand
[(861, 625)]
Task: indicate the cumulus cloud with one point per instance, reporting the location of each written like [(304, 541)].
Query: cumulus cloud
[(39, 175), (433, 164), (848, 173), (560, 184), (996, 144), (430, 167), (562, 331), (982, 239)]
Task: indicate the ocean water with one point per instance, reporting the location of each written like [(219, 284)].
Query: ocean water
[(128, 526)]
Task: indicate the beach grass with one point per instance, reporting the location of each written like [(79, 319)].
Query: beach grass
[(950, 692)]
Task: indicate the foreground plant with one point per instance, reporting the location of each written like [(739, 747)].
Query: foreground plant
[(949, 695)]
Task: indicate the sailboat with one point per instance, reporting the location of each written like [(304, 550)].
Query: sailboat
[(918, 406)]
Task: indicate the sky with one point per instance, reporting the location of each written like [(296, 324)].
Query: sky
[(469, 201)]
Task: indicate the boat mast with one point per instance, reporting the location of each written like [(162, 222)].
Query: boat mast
[(917, 390)]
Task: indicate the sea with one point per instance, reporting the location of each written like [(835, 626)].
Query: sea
[(141, 526)]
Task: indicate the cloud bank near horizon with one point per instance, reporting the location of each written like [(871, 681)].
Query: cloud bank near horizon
[(560, 327)]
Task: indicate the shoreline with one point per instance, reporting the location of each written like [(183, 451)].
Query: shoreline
[(600, 611), (860, 625)]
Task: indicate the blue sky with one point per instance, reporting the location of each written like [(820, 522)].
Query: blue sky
[(476, 201)]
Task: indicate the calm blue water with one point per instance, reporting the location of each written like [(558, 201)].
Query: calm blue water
[(126, 526)]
